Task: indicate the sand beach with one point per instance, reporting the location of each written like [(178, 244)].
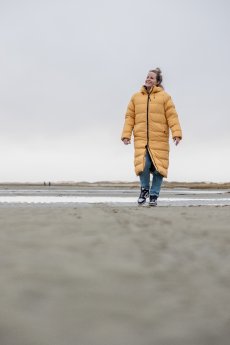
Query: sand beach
[(100, 274)]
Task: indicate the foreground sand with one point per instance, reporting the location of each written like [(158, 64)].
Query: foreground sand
[(114, 275)]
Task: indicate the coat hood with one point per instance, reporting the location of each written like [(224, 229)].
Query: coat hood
[(155, 89)]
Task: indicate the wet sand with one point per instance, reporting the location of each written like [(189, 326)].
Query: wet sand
[(114, 275)]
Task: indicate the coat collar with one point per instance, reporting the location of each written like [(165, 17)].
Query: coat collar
[(153, 90)]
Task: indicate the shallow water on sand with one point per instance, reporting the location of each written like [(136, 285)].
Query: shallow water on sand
[(168, 197)]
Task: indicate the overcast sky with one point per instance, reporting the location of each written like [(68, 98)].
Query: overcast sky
[(69, 68)]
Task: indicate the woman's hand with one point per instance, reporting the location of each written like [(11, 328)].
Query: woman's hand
[(176, 140), (126, 141)]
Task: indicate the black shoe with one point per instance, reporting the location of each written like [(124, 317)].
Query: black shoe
[(152, 200), (143, 196)]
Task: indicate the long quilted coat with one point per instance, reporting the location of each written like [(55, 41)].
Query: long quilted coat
[(149, 116)]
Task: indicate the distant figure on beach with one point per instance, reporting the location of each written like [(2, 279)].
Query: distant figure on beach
[(150, 114)]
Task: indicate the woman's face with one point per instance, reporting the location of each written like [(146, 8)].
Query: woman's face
[(151, 79)]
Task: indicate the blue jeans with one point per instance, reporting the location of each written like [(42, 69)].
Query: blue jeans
[(145, 177)]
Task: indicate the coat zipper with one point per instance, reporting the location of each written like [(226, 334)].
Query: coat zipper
[(148, 132), (148, 120)]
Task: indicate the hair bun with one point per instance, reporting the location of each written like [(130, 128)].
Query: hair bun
[(158, 70)]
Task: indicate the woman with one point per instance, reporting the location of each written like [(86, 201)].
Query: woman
[(149, 116)]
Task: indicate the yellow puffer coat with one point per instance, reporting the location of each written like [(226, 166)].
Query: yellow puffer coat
[(149, 117)]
